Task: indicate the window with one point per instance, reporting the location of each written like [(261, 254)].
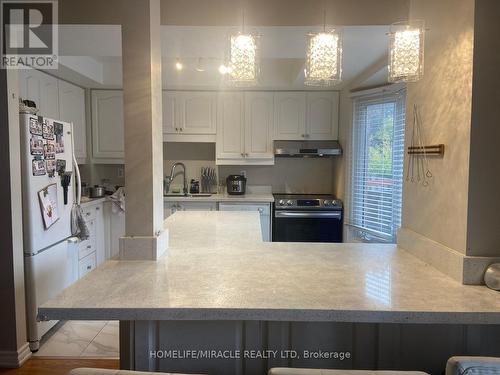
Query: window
[(377, 166)]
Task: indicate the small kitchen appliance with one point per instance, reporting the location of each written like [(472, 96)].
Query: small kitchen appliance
[(236, 184), (307, 218)]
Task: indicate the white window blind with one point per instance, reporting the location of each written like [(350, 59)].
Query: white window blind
[(377, 166)]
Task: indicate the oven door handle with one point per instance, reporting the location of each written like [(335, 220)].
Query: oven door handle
[(308, 215)]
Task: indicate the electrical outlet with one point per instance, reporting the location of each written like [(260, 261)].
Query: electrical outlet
[(120, 172)]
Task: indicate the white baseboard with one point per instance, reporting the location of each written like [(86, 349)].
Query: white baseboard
[(15, 359), (465, 269)]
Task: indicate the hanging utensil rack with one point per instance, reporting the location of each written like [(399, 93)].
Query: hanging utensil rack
[(435, 150)]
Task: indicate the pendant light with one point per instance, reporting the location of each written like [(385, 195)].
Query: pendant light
[(243, 67), (323, 57), (406, 51)]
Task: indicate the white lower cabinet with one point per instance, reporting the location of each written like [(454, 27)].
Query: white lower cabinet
[(91, 252), (263, 208), (86, 265), (114, 228), (172, 207)]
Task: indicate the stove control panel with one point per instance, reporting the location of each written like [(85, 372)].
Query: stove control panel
[(311, 203)]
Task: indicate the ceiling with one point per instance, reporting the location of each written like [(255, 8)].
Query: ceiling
[(90, 55)]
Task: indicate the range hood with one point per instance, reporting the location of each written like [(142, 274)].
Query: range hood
[(307, 149)]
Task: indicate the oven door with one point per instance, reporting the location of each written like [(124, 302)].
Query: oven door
[(307, 226)]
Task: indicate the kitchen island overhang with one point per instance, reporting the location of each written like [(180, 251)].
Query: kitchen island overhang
[(220, 286), (217, 267)]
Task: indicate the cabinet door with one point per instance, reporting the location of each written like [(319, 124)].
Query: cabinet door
[(230, 126), (29, 85), (264, 210), (170, 105), (322, 115), (72, 109), (100, 241), (107, 125), (259, 117), (290, 115), (49, 96), (42, 89), (197, 113)]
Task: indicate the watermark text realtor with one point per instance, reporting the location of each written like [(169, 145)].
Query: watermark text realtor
[(29, 34)]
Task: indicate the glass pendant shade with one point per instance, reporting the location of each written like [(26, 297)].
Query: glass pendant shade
[(243, 67), (323, 59), (406, 51)]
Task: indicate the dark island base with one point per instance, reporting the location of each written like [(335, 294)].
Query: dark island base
[(252, 347)]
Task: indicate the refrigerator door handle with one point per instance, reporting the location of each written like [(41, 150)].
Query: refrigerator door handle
[(77, 170)]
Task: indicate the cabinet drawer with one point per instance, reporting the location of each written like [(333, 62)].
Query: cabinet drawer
[(88, 246), (263, 209), (86, 265), (89, 214)]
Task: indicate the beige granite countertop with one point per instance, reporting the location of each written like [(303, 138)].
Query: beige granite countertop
[(246, 198), (217, 268)]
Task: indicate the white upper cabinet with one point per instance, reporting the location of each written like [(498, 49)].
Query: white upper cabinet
[(198, 112), (245, 128), (107, 126), (72, 109), (290, 115), (59, 100), (42, 89), (259, 125), (322, 115), (306, 116), (230, 126), (49, 96), (189, 116), (169, 112)]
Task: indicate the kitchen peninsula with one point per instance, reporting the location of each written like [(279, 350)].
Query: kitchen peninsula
[(219, 286)]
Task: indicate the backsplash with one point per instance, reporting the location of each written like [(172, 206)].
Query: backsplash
[(289, 175), (308, 175), (193, 155)]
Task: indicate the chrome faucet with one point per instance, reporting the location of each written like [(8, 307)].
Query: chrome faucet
[(169, 179)]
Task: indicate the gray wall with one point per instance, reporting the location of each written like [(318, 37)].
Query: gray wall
[(483, 220), (372, 346)]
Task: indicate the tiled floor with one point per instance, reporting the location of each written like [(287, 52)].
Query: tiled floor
[(98, 339)]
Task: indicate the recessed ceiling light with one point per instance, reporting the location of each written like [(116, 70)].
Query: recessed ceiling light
[(223, 69), (200, 67), (178, 65)]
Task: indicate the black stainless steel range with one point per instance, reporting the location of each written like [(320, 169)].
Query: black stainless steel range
[(307, 218)]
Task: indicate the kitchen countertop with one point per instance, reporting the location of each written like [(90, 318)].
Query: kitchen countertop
[(86, 201), (247, 198), (217, 268)]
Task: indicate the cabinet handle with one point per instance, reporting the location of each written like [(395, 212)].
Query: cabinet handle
[(88, 247), (87, 213), (97, 208), (176, 129), (303, 135), (89, 267), (242, 154), (246, 154), (180, 129)]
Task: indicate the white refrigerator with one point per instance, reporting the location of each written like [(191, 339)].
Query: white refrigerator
[(50, 251)]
